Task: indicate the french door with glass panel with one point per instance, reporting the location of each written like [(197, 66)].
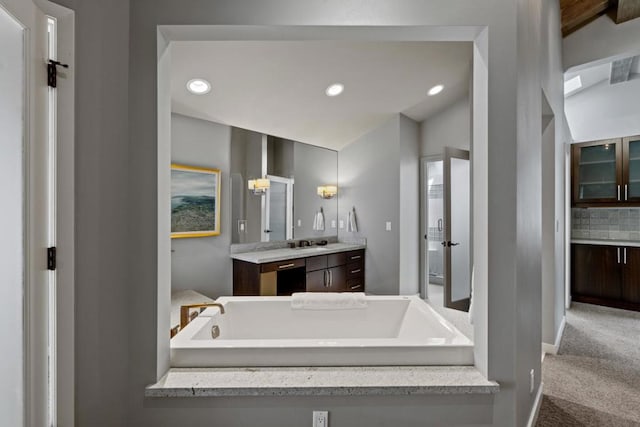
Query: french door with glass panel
[(457, 230)]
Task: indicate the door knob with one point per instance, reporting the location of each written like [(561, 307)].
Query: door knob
[(449, 243)]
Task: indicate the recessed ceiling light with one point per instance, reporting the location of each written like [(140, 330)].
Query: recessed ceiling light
[(572, 84), (335, 89), (435, 90), (198, 86)]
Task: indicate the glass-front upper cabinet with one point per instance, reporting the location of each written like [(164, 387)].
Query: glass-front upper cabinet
[(631, 154), (597, 171)]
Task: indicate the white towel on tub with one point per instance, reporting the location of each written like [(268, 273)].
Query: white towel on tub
[(328, 300)]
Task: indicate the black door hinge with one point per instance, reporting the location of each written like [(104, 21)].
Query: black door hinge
[(52, 72), (51, 258)]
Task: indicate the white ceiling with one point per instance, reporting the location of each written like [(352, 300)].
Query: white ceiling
[(599, 72), (277, 87)]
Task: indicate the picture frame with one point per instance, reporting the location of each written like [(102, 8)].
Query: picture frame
[(195, 201)]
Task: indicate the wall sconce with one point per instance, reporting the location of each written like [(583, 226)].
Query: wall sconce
[(327, 191), (259, 186)]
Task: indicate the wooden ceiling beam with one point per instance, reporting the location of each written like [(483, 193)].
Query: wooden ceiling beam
[(624, 10), (578, 13)]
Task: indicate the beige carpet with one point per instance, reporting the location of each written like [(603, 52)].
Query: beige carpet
[(595, 378)]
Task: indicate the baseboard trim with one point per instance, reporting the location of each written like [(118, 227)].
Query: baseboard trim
[(535, 410), (553, 348)]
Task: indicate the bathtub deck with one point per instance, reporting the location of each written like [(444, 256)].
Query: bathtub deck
[(322, 381)]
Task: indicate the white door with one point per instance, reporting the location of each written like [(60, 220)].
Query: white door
[(28, 172), (457, 230)]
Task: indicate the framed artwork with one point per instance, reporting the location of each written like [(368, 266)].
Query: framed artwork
[(195, 201)]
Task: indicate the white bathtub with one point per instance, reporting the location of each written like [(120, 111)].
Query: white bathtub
[(266, 331)]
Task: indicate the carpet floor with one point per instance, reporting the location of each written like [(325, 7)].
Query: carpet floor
[(594, 380)]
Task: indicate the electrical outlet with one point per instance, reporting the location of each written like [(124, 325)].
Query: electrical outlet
[(333, 223), (242, 226), (532, 378), (341, 224), (388, 226), (299, 223), (320, 419)]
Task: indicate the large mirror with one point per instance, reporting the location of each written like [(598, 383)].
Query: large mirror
[(294, 206)]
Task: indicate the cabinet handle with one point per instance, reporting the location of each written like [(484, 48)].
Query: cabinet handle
[(625, 192), (618, 255), (356, 287), (618, 192), (355, 257), (324, 278), (357, 270), (330, 278), (286, 265), (625, 255)]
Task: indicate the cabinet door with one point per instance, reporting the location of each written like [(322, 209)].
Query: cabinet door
[(596, 271), (597, 171), (631, 169), (631, 279), (337, 279), (317, 281)]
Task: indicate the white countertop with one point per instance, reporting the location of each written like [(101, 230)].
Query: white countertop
[(322, 381), (633, 243), (260, 257)]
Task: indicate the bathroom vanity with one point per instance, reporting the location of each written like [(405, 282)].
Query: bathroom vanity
[(337, 267)]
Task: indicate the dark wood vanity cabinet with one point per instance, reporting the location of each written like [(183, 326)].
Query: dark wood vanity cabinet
[(327, 273), (337, 272), (606, 275)]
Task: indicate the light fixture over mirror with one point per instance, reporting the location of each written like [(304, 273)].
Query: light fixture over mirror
[(259, 186), (327, 191)]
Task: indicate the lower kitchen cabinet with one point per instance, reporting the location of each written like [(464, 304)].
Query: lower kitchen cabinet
[(606, 275), (631, 277)]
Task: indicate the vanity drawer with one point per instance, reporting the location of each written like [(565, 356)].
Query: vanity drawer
[(316, 263), (355, 285), (282, 265), (357, 255), (355, 269), (334, 260)]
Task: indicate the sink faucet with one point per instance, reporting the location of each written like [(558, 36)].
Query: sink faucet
[(304, 243), (184, 311)]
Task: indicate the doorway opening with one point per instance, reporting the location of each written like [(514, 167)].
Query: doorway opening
[(278, 212)]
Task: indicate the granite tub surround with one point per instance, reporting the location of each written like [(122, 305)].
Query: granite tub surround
[(322, 381), (618, 224), (282, 254)]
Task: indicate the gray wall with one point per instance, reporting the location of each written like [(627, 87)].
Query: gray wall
[(116, 207), (409, 206), (448, 128), (246, 158), (108, 184), (553, 308), (314, 166), (369, 180), (203, 263)]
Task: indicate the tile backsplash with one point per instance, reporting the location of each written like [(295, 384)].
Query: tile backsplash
[(605, 223)]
